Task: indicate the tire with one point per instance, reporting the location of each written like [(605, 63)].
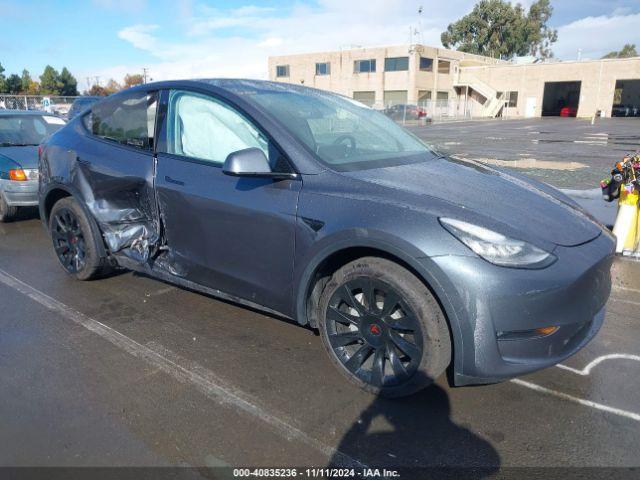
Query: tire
[(392, 346), (74, 243), (7, 213)]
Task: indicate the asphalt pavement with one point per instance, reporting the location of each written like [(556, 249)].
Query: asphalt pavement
[(131, 371), (564, 152)]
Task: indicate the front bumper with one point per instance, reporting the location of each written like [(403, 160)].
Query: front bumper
[(494, 309), (20, 194)]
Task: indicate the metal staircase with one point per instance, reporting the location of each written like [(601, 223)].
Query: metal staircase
[(494, 101)]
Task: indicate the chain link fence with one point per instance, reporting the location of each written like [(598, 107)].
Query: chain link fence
[(440, 111), (50, 103), (433, 111)]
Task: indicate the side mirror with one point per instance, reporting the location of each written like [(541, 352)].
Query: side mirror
[(251, 162)]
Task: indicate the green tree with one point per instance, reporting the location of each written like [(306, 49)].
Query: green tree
[(2, 79), (112, 86), (131, 80), (13, 84), (25, 81), (496, 28), (50, 81), (97, 91), (629, 50), (539, 36), (69, 83)]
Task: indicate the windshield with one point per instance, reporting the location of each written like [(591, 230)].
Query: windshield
[(23, 130), (344, 134)]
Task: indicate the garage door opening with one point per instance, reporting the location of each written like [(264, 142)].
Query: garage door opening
[(561, 99), (626, 99)]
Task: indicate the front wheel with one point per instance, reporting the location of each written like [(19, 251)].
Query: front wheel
[(383, 328)]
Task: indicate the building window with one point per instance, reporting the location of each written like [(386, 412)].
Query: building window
[(442, 98), (367, 97), (426, 64), (510, 98), (323, 68), (424, 96), (444, 66), (395, 97), (396, 64), (364, 66), (282, 71)]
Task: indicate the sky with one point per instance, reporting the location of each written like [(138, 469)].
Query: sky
[(201, 38)]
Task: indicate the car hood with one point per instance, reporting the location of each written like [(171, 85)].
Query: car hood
[(532, 208), (25, 157)]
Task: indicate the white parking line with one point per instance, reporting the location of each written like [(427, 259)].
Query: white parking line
[(621, 300), (626, 289), (580, 401), (208, 383), (211, 386), (587, 370)]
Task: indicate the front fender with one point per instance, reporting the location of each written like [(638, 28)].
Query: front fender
[(425, 267)]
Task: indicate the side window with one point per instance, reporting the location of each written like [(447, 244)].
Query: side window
[(127, 119), (201, 127)]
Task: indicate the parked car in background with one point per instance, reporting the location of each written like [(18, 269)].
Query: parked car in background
[(80, 104), (20, 134), (405, 112), (304, 203), (569, 112), (61, 110)]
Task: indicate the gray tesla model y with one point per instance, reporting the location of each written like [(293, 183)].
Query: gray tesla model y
[(315, 207)]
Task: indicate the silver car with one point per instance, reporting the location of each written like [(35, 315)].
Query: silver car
[(20, 134)]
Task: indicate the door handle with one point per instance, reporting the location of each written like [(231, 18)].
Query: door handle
[(168, 179)]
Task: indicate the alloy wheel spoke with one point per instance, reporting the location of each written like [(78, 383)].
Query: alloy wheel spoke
[(377, 371), (408, 348), (404, 323), (57, 236), (61, 227), (336, 315), (68, 259), (366, 285), (391, 300), (347, 296), (344, 339), (396, 365), (61, 249), (358, 358)]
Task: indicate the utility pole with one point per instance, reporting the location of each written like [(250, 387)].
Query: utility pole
[(420, 24), (144, 74)]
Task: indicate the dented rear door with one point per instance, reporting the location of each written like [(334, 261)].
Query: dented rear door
[(114, 172)]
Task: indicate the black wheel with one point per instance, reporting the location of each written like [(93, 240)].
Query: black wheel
[(383, 328), (74, 242), (7, 213)]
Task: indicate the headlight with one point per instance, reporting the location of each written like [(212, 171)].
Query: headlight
[(496, 248)]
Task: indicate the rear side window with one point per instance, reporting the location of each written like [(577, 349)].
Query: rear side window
[(127, 119)]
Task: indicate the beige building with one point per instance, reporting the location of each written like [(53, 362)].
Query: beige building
[(447, 82)]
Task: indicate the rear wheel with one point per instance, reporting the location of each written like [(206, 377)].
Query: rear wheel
[(383, 328), (7, 213), (73, 241)]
